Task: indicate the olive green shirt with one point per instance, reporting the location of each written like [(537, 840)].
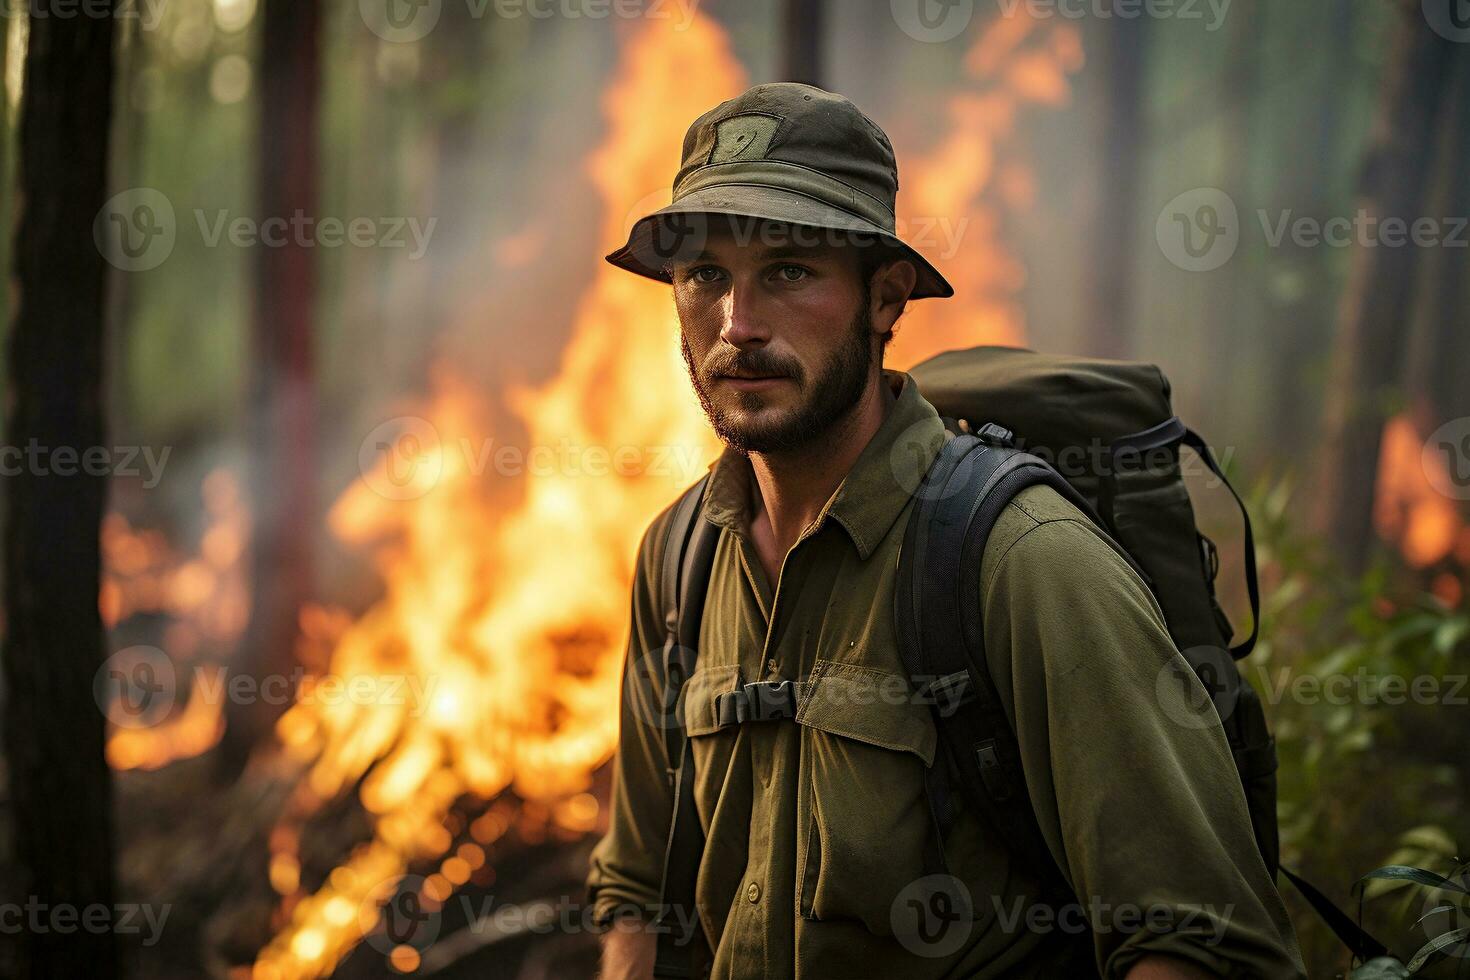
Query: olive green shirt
[(815, 826)]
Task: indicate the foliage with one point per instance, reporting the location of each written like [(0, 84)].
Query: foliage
[(1364, 751), (1447, 951)]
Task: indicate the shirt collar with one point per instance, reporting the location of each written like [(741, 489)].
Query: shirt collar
[(876, 489)]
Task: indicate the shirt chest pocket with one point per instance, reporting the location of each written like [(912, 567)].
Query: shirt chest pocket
[(862, 813)]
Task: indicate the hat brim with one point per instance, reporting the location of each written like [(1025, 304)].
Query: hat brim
[(654, 242)]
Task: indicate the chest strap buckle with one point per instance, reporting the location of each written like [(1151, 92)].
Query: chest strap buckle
[(764, 701)]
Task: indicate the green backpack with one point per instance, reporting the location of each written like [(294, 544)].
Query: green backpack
[(1104, 436)]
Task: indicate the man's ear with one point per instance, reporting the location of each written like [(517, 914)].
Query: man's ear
[(893, 283)]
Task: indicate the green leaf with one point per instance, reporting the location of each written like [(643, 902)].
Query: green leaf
[(1400, 872), (1450, 633), (1437, 910), (1438, 945)]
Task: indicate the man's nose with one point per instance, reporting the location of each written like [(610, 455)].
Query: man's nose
[(744, 324)]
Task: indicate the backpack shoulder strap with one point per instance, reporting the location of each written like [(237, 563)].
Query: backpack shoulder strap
[(688, 555), (941, 639)]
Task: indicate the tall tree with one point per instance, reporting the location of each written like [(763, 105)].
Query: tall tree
[(1368, 355), (803, 34), (1440, 346), (54, 734), (1298, 313), (1119, 62), (283, 384), (1227, 319)]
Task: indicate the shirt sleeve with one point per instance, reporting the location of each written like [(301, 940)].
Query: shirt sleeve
[(626, 866), (1128, 769)]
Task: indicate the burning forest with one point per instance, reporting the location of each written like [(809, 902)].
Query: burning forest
[(338, 690)]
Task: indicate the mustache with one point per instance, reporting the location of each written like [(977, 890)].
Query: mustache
[(762, 363)]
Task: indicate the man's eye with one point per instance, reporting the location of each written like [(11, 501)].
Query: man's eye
[(792, 273), (705, 274)]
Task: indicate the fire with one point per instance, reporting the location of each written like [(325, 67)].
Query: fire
[(1410, 511), (509, 620), (206, 599), (506, 626), (956, 194)]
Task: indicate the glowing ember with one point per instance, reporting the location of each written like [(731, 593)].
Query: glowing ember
[(207, 602)]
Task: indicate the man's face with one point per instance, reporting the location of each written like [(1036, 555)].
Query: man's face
[(778, 335)]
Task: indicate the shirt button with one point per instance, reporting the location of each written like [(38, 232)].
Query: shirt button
[(753, 892)]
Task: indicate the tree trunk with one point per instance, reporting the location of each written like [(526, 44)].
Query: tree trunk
[(1367, 370), (1440, 348), (1120, 65), (803, 32), (54, 732), (283, 388), (1300, 316)]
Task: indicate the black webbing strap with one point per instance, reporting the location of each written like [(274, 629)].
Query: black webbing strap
[(936, 599), (1252, 586), (1353, 936), (681, 950), (1172, 433)]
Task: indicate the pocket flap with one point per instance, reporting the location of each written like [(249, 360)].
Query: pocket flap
[(867, 704), (699, 693)]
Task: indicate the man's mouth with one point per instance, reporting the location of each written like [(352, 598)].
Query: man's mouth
[(750, 382)]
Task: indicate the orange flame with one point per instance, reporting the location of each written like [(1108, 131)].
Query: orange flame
[(957, 193), (1407, 508), (207, 601), (510, 620)]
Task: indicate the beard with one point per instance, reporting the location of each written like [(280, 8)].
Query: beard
[(830, 395)]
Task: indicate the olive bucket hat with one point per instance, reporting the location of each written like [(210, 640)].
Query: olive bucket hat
[(782, 152)]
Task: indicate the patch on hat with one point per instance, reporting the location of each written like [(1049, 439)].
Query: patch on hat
[(744, 137)]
